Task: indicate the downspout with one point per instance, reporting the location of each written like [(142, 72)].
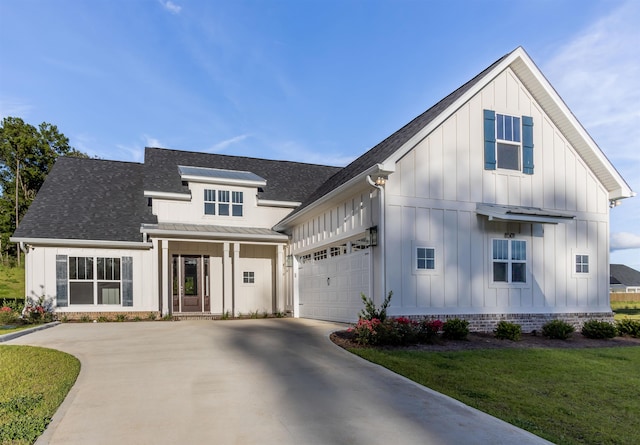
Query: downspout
[(381, 240), (25, 249)]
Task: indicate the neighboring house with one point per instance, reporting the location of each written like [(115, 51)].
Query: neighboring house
[(624, 279), (493, 204)]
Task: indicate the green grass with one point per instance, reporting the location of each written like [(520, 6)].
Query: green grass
[(33, 383), (11, 281), (578, 396), (14, 328), (626, 309)]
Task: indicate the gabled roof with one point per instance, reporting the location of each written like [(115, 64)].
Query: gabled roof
[(621, 274), (286, 181), (88, 199), (387, 152)]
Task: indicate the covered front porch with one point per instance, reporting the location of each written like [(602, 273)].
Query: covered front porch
[(217, 271)]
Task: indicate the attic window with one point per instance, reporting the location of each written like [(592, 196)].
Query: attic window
[(508, 142)]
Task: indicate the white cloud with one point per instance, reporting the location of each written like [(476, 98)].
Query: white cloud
[(625, 240), (151, 142), (221, 146), (598, 74), (171, 7)]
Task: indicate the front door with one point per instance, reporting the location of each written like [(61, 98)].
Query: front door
[(190, 276)]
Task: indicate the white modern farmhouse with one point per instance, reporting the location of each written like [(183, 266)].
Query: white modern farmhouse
[(491, 205)]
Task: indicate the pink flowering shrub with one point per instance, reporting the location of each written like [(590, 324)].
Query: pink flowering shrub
[(368, 332), (395, 331), (8, 316), (429, 330), (38, 311)]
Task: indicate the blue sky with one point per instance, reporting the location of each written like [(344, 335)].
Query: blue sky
[(308, 80)]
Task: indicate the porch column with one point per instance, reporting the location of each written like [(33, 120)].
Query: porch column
[(236, 272), (227, 286), (279, 279), (165, 277)]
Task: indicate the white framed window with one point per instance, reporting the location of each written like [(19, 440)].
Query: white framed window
[(248, 277), (236, 203), (223, 203), (582, 264), (94, 280), (508, 142), (425, 258), (338, 250), (209, 202), (509, 260)]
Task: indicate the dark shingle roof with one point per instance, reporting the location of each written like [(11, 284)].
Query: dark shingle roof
[(286, 181), (621, 274), (89, 199), (390, 145)]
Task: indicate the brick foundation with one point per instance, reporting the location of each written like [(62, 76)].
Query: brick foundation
[(111, 316), (528, 322)]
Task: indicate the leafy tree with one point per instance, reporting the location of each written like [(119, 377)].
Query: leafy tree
[(27, 154)]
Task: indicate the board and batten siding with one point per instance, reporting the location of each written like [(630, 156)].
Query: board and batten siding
[(431, 200), (42, 280), (340, 222)]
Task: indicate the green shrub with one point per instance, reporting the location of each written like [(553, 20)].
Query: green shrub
[(455, 329), (628, 326), (8, 316), (103, 319), (557, 329), (121, 317), (370, 311), (85, 319), (508, 331), (151, 316), (428, 330), (599, 329)]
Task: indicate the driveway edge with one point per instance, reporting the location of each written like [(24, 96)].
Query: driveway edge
[(12, 335)]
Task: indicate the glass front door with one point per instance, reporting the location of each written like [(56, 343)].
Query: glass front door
[(190, 283)]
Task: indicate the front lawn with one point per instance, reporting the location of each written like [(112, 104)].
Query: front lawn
[(626, 309), (567, 396), (33, 383)]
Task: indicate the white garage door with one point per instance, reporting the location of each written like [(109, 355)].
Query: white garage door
[(330, 288)]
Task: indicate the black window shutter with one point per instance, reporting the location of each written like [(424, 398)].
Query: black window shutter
[(127, 281), (527, 145), (489, 140), (62, 284)]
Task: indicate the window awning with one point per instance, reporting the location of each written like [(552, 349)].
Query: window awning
[(522, 214)]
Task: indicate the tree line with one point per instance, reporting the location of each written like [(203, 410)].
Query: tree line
[(27, 154)]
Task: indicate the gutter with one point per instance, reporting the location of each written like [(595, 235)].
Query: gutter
[(81, 243)]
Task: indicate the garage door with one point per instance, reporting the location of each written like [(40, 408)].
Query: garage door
[(330, 288)]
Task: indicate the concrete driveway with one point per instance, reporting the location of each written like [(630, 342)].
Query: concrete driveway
[(246, 382)]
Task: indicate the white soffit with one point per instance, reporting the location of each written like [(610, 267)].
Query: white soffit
[(219, 176)]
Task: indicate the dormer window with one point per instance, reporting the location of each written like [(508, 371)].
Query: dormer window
[(223, 203)]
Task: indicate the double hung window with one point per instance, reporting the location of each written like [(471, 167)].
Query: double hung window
[(509, 260), (508, 146)]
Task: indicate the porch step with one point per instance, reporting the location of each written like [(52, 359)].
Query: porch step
[(195, 316)]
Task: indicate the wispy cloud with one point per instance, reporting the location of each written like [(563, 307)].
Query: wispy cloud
[(14, 108), (221, 146), (170, 6), (151, 141), (598, 74), (625, 240)]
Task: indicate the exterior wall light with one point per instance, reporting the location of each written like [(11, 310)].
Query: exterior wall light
[(372, 236)]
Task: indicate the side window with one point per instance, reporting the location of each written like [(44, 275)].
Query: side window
[(509, 261), (582, 264), (223, 202), (425, 258), (237, 201)]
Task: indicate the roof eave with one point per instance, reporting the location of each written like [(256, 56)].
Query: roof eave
[(81, 243)]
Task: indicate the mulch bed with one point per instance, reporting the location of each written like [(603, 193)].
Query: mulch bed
[(475, 341)]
